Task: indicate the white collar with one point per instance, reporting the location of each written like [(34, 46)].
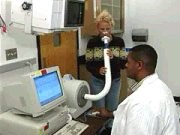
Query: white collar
[(147, 79)]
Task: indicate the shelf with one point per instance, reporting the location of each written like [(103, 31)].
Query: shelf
[(9, 66)]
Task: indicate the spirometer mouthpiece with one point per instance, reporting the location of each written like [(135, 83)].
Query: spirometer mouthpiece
[(105, 39)]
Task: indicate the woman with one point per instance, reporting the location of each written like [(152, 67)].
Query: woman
[(95, 64)]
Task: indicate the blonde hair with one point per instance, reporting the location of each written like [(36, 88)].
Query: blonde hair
[(106, 17)]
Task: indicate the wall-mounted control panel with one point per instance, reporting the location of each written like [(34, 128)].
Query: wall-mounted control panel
[(11, 53)]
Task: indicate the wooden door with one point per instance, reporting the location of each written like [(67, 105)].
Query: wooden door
[(63, 54)]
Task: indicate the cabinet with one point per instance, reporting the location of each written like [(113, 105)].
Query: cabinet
[(94, 7), (63, 55)]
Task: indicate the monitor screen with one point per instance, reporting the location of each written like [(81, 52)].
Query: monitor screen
[(48, 87), (36, 93)]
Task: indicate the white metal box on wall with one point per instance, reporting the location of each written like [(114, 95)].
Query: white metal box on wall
[(44, 16)]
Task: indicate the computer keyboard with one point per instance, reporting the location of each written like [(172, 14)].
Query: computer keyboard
[(72, 128)]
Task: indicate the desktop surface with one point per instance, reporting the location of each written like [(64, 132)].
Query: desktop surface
[(95, 124)]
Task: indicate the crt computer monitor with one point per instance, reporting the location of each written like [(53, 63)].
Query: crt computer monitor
[(36, 93)]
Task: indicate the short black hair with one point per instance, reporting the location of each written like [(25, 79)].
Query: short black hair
[(147, 54)]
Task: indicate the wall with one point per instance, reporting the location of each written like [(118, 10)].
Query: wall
[(162, 18), (14, 38)]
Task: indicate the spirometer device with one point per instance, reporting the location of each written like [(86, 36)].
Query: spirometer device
[(75, 91)]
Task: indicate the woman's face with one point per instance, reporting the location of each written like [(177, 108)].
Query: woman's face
[(104, 29)]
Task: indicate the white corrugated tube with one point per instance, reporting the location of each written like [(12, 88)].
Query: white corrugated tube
[(107, 86)]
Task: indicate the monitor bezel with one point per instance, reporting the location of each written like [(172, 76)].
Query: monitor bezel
[(36, 109)]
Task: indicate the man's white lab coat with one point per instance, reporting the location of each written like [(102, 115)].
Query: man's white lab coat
[(150, 110)]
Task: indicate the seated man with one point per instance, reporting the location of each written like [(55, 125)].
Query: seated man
[(150, 109)]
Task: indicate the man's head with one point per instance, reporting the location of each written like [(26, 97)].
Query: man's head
[(104, 23), (142, 60)]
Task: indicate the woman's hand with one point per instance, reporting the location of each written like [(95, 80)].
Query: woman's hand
[(110, 54), (102, 71)]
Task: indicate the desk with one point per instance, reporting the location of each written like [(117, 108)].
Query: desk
[(95, 124)]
